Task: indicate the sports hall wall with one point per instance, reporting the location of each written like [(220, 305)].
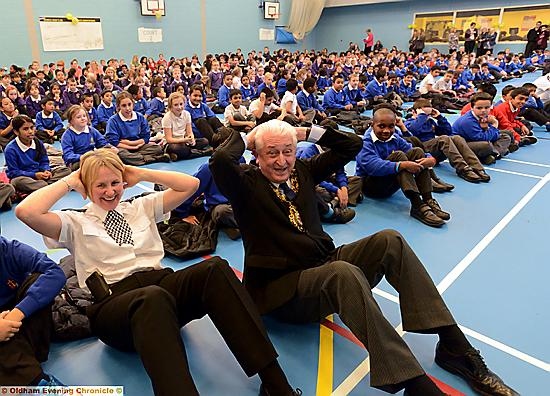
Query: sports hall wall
[(228, 25), (388, 21)]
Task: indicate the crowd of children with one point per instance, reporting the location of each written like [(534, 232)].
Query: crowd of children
[(165, 110)]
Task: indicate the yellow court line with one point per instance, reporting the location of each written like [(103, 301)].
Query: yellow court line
[(326, 360)]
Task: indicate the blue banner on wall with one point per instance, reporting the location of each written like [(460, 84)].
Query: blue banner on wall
[(282, 36)]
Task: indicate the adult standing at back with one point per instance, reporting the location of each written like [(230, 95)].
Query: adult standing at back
[(369, 41), (532, 37), (453, 40), (470, 38)]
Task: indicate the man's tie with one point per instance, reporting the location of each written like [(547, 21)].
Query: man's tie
[(287, 191), (118, 228)]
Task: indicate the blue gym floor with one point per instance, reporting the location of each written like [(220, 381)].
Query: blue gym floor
[(488, 261)]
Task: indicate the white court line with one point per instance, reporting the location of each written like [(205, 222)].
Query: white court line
[(525, 162), (483, 338), (514, 173), (144, 187), (507, 349), (357, 375), (487, 239)]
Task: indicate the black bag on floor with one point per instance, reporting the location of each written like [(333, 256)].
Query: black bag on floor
[(188, 241)]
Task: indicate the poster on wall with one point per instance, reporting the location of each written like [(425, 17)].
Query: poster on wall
[(517, 21), (436, 26), (74, 34)]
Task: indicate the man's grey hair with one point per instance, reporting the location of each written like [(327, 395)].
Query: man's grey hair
[(274, 128)]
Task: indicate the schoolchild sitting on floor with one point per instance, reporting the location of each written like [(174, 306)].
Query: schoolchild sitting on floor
[(480, 130), (237, 116), (128, 131), (507, 112), (387, 162), (49, 126), (80, 137), (435, 132), (27, 161), (181, 143), (205, 123), (30, 282)]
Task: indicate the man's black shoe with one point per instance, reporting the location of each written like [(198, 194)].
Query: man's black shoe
[(473, 369), (434, 206), (485, 178), (513, 147), (469, 175), (264, 392), (425, 214)]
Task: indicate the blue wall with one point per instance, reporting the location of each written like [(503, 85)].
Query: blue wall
[(229, 24), (388, 21)]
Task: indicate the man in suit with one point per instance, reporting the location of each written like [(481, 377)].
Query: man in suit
[(295, 273)]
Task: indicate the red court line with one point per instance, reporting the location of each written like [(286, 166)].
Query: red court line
[(349, 336)]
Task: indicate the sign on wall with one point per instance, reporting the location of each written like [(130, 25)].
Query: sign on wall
[(76, 34)]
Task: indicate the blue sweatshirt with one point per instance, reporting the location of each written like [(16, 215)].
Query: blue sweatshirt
[(140, 106), (308, 101), (324, 82), (374, 88), (76, 144), (468, 127), (354, 95), (335, 100), (223, 96), (33, 107), (92, 113), (405, 90), (426, 128), (212, 195), (203, 111), (17, 262), (135, 129), (156, 107), (372, 159), (54, 123), (248, 93), (25, 163), (340, 175), (104, 112)]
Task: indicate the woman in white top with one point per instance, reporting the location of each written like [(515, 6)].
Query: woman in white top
[(141, 306), (178, 132)]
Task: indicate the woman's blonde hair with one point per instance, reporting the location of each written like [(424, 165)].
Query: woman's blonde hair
[(92, 161), (173, 96)]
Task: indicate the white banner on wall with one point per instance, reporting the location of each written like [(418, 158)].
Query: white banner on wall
[(266, 34), (76, 34), (146, 35)]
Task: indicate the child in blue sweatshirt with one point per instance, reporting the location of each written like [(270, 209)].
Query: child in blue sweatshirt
[(79, 138), (105, 110), (533, 109), (129, 131), (156, 107), (435, 132), (49, 126), (387, 162), (27, 161), (29, 282)]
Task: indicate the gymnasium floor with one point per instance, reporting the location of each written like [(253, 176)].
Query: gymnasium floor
[(488, 262)]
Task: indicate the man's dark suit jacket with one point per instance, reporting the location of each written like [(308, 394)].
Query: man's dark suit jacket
[(276, 251)]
